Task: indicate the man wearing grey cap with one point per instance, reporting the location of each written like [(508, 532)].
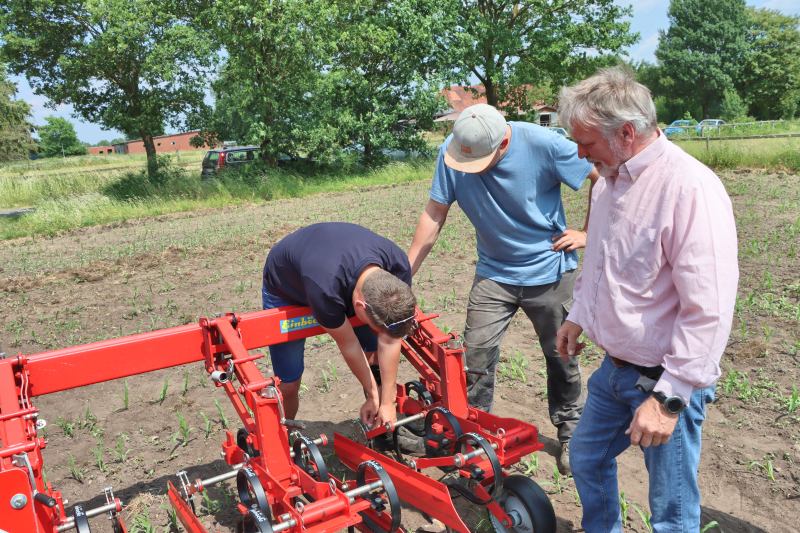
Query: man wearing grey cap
[(506, 177)]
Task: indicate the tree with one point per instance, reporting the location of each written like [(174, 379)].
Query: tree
[(131, 65), (15, 128), (703, 51), (505, 43), (265, 89), (732, 108), (771, 74), (58, 138), (381, 87)]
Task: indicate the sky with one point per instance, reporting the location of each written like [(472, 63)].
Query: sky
[(649, 16)]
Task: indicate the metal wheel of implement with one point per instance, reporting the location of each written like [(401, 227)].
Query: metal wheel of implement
[(424, 397), (254, 522), (381, 496), (310, 458), (361, 435), (242, 442), (471, 441), (251, 492), (527, 505), (81, 520), (444, 443)]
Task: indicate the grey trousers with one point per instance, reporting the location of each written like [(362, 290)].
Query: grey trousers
[(491, 307)]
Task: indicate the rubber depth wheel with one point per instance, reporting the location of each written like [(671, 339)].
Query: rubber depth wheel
[(524, 499)]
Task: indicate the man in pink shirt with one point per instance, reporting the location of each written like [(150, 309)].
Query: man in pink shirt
[(656, 292)]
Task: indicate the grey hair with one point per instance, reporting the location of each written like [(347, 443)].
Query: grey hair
[(608, 100)]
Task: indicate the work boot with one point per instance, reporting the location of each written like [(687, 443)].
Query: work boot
[(409, 443), (562, 459)]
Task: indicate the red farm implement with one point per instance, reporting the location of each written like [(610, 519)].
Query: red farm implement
[(281, 477)]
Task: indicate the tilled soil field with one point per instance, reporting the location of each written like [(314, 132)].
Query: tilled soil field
[(144, 275)]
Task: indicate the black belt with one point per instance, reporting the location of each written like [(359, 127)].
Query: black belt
[(652, 372)]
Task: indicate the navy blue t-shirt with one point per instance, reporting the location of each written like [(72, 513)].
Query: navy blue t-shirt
[(319, 265)]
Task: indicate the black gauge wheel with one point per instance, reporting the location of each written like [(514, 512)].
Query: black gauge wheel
[(527, 505), (424, 397), (255, 522), (308, 457), (81, 520), (242, 442), (251, 492), (440, 444), (379, 496), (469, 442)]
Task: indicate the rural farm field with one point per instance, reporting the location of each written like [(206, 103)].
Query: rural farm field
[(135, 434)]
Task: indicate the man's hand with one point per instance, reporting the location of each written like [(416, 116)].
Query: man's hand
[(569, 241), (651, 425), (369, 411), (567, 340), (386, 413)]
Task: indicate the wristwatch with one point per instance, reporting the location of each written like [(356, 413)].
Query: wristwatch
[(673, 404)]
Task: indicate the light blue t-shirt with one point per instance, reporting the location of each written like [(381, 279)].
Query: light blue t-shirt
[(516, 205)]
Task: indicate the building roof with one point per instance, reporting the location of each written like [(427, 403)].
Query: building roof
[(461, 97)]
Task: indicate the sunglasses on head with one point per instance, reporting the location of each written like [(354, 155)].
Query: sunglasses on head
[(394, 327)]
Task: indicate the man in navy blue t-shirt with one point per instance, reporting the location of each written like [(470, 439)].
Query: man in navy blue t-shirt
[(342, 270), (507, 179)]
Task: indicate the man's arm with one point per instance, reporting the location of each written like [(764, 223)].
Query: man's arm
[(573, 239), (356, 361), (430, 224), (388, 361)]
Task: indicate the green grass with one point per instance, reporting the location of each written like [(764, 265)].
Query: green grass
[(94, 196), (781, 153)]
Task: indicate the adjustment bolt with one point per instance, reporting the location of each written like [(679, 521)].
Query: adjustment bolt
[(18, 501)]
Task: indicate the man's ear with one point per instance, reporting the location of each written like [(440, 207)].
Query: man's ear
[(627, 134)]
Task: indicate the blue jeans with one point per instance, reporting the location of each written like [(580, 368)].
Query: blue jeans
[(600, 437)]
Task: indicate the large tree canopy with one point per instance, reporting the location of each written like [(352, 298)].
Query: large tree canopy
[(380, 88), (274, 54), (131, 65), (15, 128), (58, 138), (702, 54), (503, 43), (310, 78), (770, 80)]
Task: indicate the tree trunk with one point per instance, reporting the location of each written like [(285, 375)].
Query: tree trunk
[(491, 92), (152, 161)]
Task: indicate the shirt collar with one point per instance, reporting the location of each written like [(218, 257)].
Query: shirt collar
[(636, 165)]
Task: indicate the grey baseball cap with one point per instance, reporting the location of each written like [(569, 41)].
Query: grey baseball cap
[(477, 135)]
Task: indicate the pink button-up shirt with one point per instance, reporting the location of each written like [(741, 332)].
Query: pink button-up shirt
[(658, 284)]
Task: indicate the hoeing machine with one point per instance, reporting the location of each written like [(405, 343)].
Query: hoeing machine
[(281, 477)]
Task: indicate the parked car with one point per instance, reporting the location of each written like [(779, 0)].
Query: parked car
[(560, 131), (708, 125), (228, 157), (679, 127)]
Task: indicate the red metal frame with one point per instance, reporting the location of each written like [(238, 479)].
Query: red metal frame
[(223, 344)]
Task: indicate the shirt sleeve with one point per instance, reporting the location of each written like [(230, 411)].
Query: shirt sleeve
[(568, 167), (701, 248), (443, 187)]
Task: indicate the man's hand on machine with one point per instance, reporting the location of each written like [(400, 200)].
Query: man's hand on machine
[(369, 411), (386, 413)]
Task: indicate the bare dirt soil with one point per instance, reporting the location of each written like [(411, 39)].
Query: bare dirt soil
[(144, 275)]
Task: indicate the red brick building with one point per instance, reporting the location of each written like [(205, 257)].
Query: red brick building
[(165, 144), (100, 150), (459, 98)]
